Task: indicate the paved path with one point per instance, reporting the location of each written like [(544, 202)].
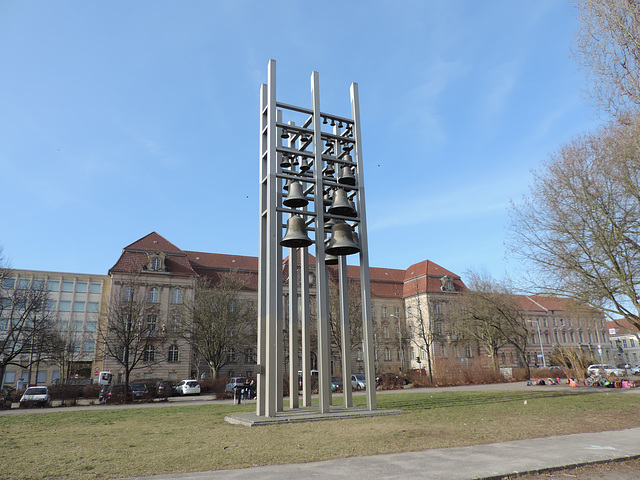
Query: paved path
[(488, 461)]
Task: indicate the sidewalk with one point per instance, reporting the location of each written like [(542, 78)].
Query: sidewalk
[(489, 461)]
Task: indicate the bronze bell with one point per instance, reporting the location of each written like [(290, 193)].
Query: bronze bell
[(296, 235), (328, 224), (353, 206), (285, 162), (329, 170), (347, 177), (330, 260), (326, 199), (295, 197), (341, 205), (304, 165), (341, 241)]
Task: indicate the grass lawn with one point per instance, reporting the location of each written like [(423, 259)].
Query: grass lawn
[(142, 441)]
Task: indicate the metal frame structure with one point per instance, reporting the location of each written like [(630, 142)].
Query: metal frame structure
[(324, 154)]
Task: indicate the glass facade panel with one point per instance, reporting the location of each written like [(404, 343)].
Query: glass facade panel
[(91, 327), (65, 306), (78, 306), (53, 285), (95, 288), (93, 307), (24, 283), (67, 286), (9, 283), (81, 287)]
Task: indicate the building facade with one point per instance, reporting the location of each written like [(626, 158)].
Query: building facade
[(74, 302), (413, 315)]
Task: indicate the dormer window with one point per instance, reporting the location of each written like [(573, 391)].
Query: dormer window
[(155, 262), (447, 284)]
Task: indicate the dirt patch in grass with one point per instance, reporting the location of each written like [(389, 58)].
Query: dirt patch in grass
[(145, 441)]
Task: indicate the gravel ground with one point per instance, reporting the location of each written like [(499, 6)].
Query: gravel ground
[(626, 470)]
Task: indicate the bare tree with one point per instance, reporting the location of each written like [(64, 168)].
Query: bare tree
[(355, 316), (63, 351), (579, 227), (130, 335), (220, 322), (420, 315), (491, 315), (25, 321), (475, 317), (608, 47)]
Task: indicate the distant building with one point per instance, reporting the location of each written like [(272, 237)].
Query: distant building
[(625, 342), (75, 301)]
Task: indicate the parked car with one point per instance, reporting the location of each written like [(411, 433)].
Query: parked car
[(358, 381), (188, 387), (635, 370), (235, 382), (6, 397), (138, 390), (336, 384), (115, 393), (38, 396), (605, 369), (164, 389)]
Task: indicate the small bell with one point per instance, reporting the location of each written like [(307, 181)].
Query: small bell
[(285, 162), (284, 134), (304, 165)]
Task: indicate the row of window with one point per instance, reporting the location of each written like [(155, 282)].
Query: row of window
[(562, 337), (173, 354), (68, 306), (154, 295), (76, 326), (561, 322), (52, 285)]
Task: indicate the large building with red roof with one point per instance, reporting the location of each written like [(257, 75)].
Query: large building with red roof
[(410, 307)]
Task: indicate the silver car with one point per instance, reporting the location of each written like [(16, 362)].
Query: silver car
[(38, 396), (605, 369)]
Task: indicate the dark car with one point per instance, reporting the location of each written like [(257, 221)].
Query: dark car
[(138, 390), (164, 389), (115, 393)]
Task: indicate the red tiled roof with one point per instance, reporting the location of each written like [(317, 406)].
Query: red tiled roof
[(425, 277), (135, 256), (622, 326)]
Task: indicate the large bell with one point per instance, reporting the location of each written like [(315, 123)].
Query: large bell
[(341, 205), (296, 235), (347, 177), (341, 241), (295, 197)]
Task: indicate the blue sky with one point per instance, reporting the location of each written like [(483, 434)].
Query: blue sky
[(121, 118)]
